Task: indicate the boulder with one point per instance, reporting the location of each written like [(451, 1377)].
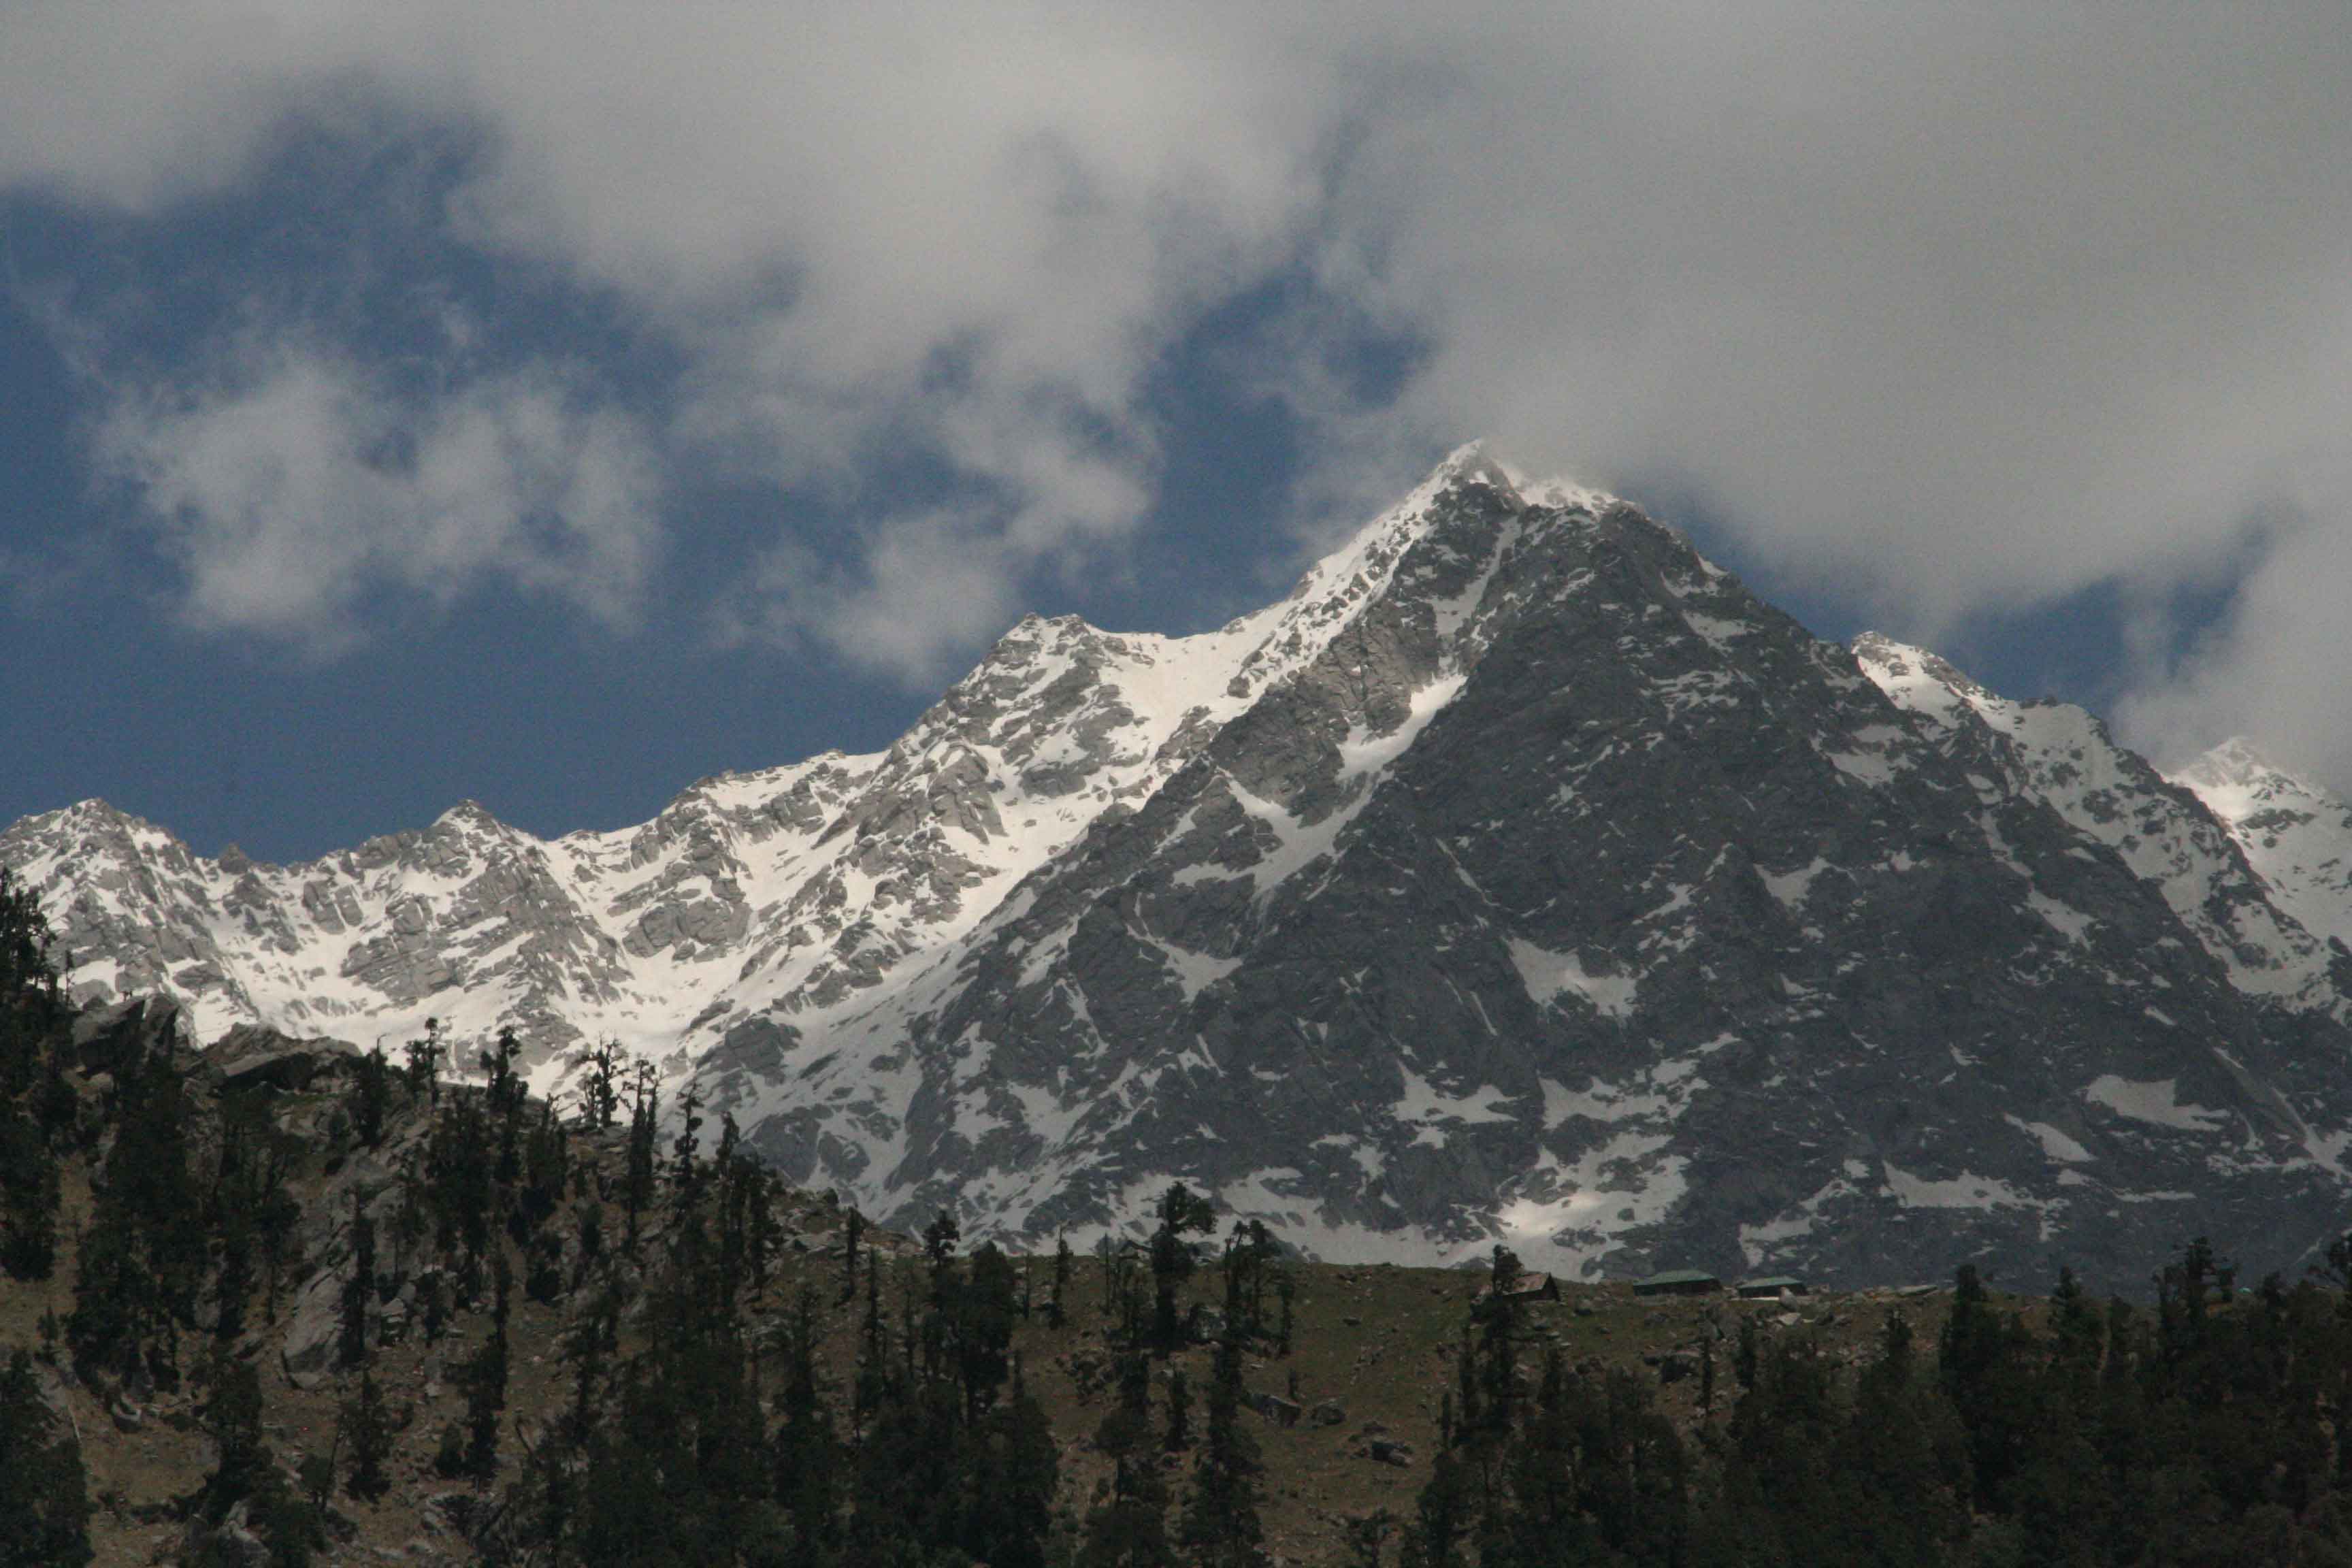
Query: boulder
[(313, 1328), (105, 1039), (252, 1056)]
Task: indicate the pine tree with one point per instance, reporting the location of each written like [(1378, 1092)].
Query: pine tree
[(1180, 1413), (425, 1057), (546, 1169), (1055, 1310), (809, 1462), (638, 1180), (233, 1286), (591, 1232), (370, 1098), (976, 1313), (459, 1163), (486, 1385), (1367, 1532), (232, 1418), (939, 1238), (593, 1333), (1440, 1516), (1901, 1459), (1183, 1213), (365, 1430), (1497, 1318), (600, 1095), (686, 1173), (44, 1492), (33, 1016), (145, 1252), (504, 1097), (1030, 1475), (1221, 1518), (1971, 1357), (1129, 1528), (29, 1193)]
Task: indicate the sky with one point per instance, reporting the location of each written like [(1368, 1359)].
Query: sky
[(551, 407)]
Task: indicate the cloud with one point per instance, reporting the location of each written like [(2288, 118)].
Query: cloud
[(1957, 309), (895, 233), (293, 488), (925, 589), (2271, 668)]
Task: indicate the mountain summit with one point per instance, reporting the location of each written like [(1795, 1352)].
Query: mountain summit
[(1521, 877)]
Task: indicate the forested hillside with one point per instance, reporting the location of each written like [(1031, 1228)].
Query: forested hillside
[(285, 1302)]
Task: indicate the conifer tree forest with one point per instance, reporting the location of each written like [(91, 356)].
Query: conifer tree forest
[(642, 1364)]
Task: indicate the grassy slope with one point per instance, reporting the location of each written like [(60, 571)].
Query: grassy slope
[(1379, 1341)]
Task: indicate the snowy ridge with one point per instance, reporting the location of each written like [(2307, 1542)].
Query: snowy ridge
[(1520, 876), (2060, 754), (2297, 835), (794, 890)]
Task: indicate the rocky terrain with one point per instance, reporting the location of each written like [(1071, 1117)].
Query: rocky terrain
[(1521, 877)]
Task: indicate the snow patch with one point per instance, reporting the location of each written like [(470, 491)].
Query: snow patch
[(1548, 976), (2064, 919), (1965, 1191), (1792, 886), (2154, 1102), (2055, 1143), (1423, 1103), (1569, 1217), (1757, 1242)]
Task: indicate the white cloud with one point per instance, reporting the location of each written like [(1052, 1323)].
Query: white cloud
[(928, 586), (1958, 307), (966, 229), (2273, 669), (296, 486)]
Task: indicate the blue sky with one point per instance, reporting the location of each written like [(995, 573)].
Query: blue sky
[(401, 409)]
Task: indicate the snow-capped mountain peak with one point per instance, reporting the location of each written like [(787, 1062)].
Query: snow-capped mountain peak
[(1519, 876), (2295, 832), (2065, 757)]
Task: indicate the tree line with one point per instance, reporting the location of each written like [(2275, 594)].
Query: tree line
[(701, 1422), (2213, 1428)]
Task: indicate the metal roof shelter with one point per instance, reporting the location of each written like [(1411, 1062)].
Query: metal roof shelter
[(1678, 1282)]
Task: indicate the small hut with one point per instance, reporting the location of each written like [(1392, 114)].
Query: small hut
[(1678, 1282), (1771, 1288), (1533, 1287)]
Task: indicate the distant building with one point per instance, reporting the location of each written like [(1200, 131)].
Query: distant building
[(1772, 1288), (1527, 1288), (1678, 1282)]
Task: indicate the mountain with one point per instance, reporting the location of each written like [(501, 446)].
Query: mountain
[(2296, 835), (1521, 877)]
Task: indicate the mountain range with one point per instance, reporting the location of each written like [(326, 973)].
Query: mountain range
[(1521, 877)]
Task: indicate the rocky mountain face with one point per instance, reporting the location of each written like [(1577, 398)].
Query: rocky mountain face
[(2297, 836), (1521, 877)]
